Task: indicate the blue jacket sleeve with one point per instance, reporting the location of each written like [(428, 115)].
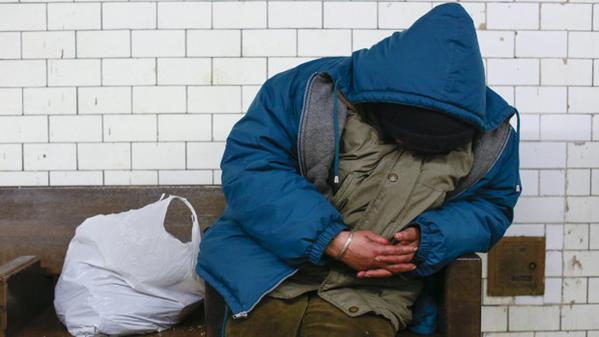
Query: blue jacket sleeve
[(474, 221), (266, 195)]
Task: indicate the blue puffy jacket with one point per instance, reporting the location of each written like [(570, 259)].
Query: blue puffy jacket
[(279, 213)]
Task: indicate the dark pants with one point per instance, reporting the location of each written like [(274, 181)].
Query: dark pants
[(305, 316)]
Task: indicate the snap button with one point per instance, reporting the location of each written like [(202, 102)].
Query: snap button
[(353, 309), (392, 177)]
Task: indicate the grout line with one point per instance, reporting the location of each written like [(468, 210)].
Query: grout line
[(322, 14), (22, 101), (131, 99), (131, 156), (22, 157), (130, 42), (21, 45)]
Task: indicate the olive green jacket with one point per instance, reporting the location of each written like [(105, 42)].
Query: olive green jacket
[(383, 186)]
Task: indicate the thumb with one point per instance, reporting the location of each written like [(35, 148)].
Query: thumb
[(376, 238)]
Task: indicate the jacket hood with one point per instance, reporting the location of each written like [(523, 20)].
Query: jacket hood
[(435, 64)]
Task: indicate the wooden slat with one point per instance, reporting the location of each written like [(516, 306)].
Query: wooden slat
[(26, 290), (460, 314), (7, 271), (42, 220)]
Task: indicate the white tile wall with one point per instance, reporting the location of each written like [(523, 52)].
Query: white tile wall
[(350, 15), (269, 42), (295, 14), (541, 43), (130, 71), (536, 318), (494, 318), (22, 73), (49, 45), (103, 43), (222, 42), (81, 72), (244, 14), (11, 101), (400, 15), (543, 100), (184, 15), (82, 16), (133, 15), (137, 177), (566, 16), (49, 101), (317, 42), (184, 71), (146, 92), (583, 99), (20, 17), (184, 127), (566, 71), (575, 290), (512, 16)]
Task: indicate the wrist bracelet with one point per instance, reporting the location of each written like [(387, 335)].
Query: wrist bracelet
[(345, 246)]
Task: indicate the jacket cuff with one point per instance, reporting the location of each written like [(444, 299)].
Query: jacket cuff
[(425, 242), (316, 250)]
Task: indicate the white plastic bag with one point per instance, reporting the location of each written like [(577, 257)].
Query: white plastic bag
[(125, 274)]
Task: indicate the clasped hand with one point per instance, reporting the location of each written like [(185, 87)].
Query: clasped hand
[(373, 255)]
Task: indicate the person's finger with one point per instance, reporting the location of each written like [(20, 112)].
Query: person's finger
[(408, 234), (401, 267), (394, 259), (376, 238), (374, 273), (393, 250), (402, 250), (410, 243), (393, 268)]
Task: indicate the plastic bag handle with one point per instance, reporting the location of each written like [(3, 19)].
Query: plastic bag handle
[(195, 227)]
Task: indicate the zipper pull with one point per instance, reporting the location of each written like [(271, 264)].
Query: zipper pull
[(240, 314)]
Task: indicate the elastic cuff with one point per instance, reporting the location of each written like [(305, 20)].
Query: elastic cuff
[(316, 250), (425, 244)]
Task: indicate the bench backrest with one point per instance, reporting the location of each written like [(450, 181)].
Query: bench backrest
[(41, 220)]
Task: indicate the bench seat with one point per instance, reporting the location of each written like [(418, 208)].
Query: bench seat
[(46, 324), (37, 224)]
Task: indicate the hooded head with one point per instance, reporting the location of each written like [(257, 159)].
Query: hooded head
[(435, 64), (419, 129)]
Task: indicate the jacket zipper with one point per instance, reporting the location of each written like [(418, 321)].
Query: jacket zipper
[(245, 312), (299, 149)]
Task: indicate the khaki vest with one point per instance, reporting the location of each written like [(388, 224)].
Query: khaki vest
[(383, 186)]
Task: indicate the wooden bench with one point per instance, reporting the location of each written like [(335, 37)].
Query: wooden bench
[(37, 223)]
